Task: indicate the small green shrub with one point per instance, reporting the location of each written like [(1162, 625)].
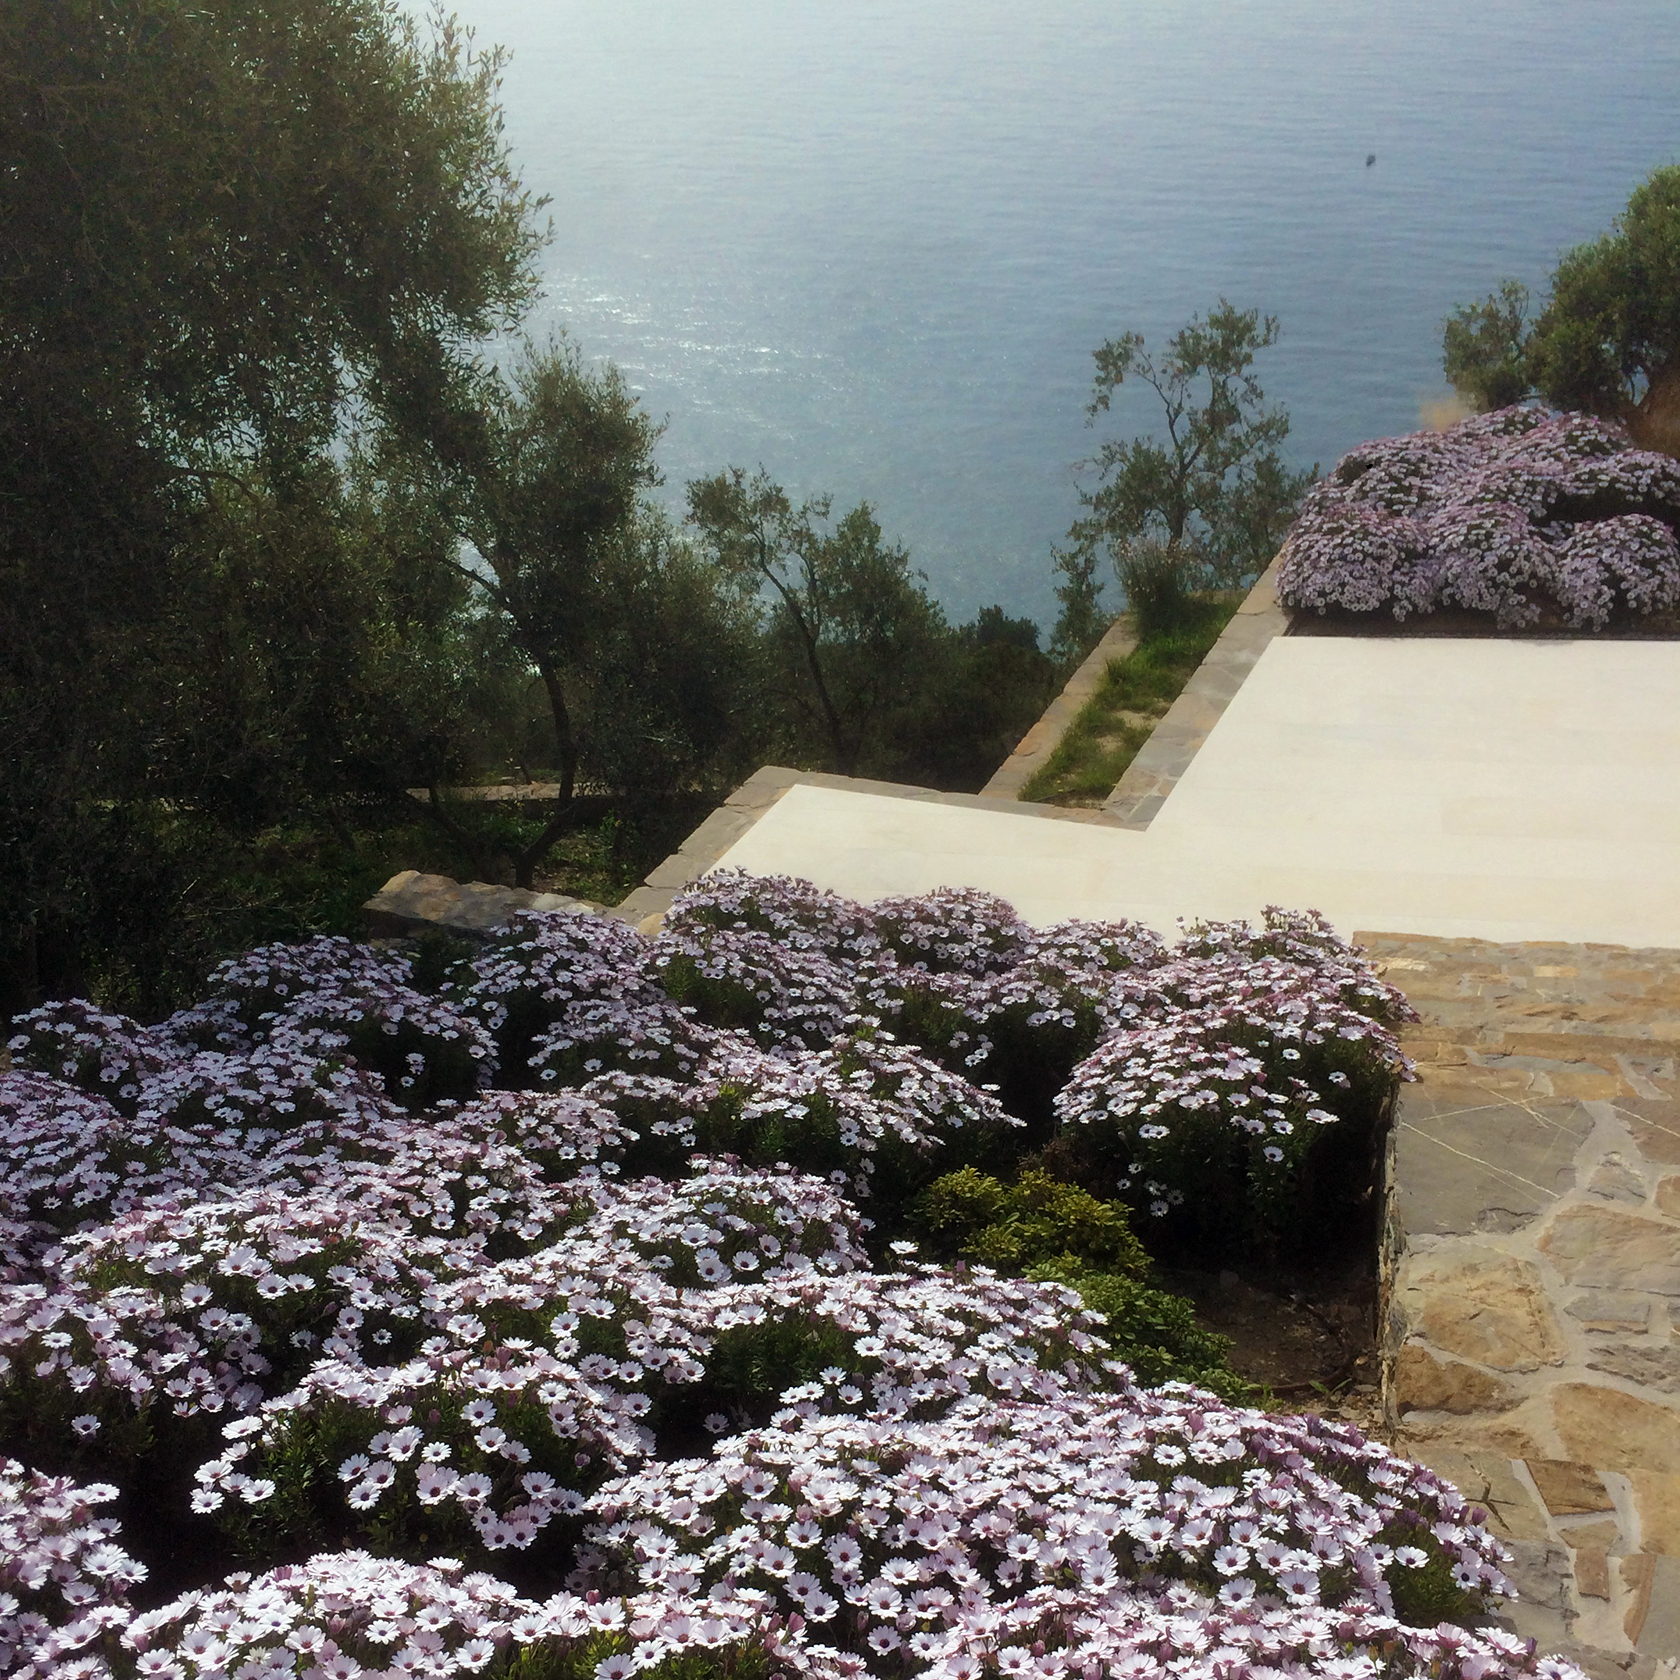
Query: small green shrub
[(1035, 1220), (1154, 1332), (1156, 579), (1058, 1233)]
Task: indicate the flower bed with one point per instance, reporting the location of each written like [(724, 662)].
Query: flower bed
[(603, 1345), (1521, 514)]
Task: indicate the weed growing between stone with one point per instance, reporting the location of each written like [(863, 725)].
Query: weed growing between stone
[(768, 1298)]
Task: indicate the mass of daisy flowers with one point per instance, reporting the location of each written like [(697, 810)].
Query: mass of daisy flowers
[(1522, 514), (688, 1306)]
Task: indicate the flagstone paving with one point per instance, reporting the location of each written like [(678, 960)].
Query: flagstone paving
[(1531, 1273)]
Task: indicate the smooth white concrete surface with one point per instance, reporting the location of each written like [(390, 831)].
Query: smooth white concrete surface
[(1496, 789)]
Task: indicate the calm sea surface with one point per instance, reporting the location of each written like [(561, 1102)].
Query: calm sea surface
[(872, 243)]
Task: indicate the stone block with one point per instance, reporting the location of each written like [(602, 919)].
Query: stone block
[(1590, 1545), (1568, 1488), (1605, 1248), (1462, 1158), (1483, 1306), (411, 903), (1656, 1499), (1650, 1364), (1614, 1180), (1668, 1197), (1542, 1574), (676, 871), (1659, 1632), (718, 833), (1655, 1127), (1486, 1479), (1613, 1430), (1636, 1572), (645, 902), (1424, 1383), (1611, 1309)]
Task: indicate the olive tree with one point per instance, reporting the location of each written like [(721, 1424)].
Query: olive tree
[(1211, 486), (1607, 338), (231, 229), (851, 633)]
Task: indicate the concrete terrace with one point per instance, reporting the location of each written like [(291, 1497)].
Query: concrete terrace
[(1500, 790)]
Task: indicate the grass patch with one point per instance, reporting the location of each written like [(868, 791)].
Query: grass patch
[(1135, 695)]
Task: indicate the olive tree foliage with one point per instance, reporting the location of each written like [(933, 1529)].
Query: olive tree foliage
[(672, 682), (228, 230), (1607, 338), (850, 631), (544, 481), (1484, 348), (643, 653), (1210, 487)]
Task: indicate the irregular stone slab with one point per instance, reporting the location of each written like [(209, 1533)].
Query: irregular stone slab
[(1604, 1248), (1659, 1636), (1466, 1162), (1486, 1479), (1568, 1488), (1652, 1365), (1591, 1545), (1482, 1306), (1656, 1498), (1668, 1197), (1616, 1181), (411, 903), (1611, 1309), (1615, 1431), (1654, 1126), (1424, 1383)]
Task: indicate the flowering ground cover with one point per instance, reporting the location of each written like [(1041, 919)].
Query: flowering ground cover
[(759, 1299), (1524, 514)]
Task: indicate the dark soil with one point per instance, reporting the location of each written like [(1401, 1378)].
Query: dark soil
[(1307, 1339)]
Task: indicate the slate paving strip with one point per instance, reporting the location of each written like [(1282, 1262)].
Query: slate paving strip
[(1531, 1273), (1139, 794)]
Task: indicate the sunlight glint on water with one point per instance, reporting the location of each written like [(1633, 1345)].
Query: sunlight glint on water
[(872, 243)]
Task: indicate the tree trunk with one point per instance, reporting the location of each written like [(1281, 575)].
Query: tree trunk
[(1655, 422), (525, 862)]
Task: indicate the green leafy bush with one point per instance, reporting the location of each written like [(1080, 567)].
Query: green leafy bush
[(1058, 1233), (1154, 1332), (1037, 1219)]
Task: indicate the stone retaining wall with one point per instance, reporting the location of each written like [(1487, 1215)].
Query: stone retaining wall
[(1531, 1273)]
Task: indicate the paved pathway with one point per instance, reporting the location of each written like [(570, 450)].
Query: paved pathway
[(1499, 790)]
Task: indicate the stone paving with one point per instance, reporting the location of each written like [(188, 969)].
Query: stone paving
[(1531, 1273), (411, 903)]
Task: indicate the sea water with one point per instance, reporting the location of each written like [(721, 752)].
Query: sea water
[(871, 244)]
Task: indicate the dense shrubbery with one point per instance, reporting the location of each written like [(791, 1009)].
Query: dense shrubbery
[(447, 1359), (1518, 513)]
